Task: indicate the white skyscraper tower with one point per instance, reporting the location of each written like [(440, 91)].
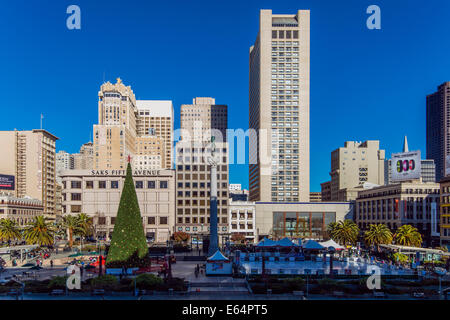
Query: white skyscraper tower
[(279, 108)]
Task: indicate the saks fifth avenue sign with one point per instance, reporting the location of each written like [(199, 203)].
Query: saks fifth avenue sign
[(121, 173)]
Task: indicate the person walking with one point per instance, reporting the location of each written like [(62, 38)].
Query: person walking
[(51, 264), (196, 272)]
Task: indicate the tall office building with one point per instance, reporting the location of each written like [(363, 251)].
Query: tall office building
[(352, 166), (155, 118), (279, 108), (124, 129), (64, 161), (438, 129), (85, 158), (199, 122), (30, 157)]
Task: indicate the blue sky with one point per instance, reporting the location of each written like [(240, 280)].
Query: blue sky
[(365, 84)]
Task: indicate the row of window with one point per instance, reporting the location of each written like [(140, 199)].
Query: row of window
[(114, 184)]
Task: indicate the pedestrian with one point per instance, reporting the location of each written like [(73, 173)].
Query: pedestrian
[(51, 263), (196, 272)]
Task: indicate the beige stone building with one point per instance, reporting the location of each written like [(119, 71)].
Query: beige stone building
[(30, 157), (97, 194), (279, 108), (128, 128), (315, 196), (445, 212), (242, 219), (193, 169), (411, 202), (155, 118), (22, 210), (84, 160), (353, 165), (299, 220)]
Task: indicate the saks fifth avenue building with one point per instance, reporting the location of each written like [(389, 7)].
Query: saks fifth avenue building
[(97, 194)]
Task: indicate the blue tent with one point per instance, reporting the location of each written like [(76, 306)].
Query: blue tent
[(313, 245), (218, 256), (266, 243), (286, 242)]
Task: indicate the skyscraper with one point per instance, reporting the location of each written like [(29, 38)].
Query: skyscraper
[(279, 108), (199, 122), (127, 128), (438, 128), (30, 157)]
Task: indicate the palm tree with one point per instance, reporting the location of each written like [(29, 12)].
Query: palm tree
[(71, 224), (9, 230), (343, 232), (408, 235), (378, 234), (40, 232), (85, 224)]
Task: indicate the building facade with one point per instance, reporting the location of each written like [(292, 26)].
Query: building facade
[(126, 129), (21, 210), (242, 219), (279, 63), (315, 196), (30, 156), (155, 118), (84, 160), (353, 165), (97, 193), (199, 122), (411, 202), (299, 220), (64, 161), (438, 128), (445, 212)]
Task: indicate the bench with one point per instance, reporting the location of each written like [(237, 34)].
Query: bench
[(338, 294), (57, 292)]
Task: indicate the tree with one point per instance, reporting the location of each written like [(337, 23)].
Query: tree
[(378, 234), (408, 235), (344, 232), (71, 224), (128, 244), (238, 237), (40, 232), (85, 224), (181, 236), (9, 230)]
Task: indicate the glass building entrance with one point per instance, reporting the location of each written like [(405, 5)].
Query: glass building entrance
[(302, 224)]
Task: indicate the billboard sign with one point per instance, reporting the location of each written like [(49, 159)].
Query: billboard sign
[(406, 166), (7, 182)]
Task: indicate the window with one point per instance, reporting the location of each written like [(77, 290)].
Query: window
[(89, 184), (75, 208), (75, 184), (151, 184), (75, 196), (139, 184), (102, 220), (163, 184), (162, 220), (274, 34), (114, 184), (151, 220), (113, 220), (102, 184)]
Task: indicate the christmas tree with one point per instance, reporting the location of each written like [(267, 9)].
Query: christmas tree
[(128, 244)]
